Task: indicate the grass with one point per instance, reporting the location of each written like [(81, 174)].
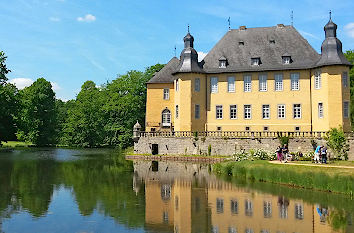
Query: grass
[(318, 178), (13, 144), (333, 162)]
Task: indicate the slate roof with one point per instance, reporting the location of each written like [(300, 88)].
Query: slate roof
[(267, 43), (165, 74)]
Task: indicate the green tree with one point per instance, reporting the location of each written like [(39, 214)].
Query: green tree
[(8, 100), (125, 103), (350, 56), (85, 120), (337, 141), (37, 118)]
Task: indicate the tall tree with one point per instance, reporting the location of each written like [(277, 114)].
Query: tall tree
[(125, 101), (8, 103), (38, 114), (350, 56), (85, 122)]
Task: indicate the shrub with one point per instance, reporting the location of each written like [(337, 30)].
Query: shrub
[(209, 150), (283, 140), (337, 141)]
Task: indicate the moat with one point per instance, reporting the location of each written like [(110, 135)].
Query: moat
[(98, 190)]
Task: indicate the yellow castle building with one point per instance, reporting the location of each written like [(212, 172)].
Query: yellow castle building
[(253, 79)]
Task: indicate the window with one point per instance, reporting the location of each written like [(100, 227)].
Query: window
[(197, 111), (232, 230), (256, 61), (197, 84), (318, 83), (234, 207), (165, 192), (177, 113), (222, 63), (345, 79), (165, 217), (283, 209), (177, 85), (247, 128), (297, 111), (166, 117), (214, 84), (320, 110), (247, 111), (219, 205), (166, 94), (267, 209), (231, 84), (176, 203), (262, 82), (247, 83), (281, 111), (218, 111), (297, 128), (233, 111), (278, 82), (286, 60), (346, 109), (248, 208), (295, 82), (265, 128), (299, 211), (214, 229), (249, 230), (265, 111), (218, 128)]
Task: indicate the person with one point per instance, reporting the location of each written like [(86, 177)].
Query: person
[(285, 151), (279, 153), (324, 154), (317, 154)]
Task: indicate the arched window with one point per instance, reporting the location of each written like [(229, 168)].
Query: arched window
[(166, 117)]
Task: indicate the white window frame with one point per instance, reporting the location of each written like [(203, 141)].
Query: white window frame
[(265, 111), (222, 63), (320, 110), (247, 111), (247, 83), (197, 111), (295, 81), (278, 82), (214, 86), (297, 111), (177, 85), (345, 79), (166, 117), (231, 85), (177, 111), (233, 111), (318, 80), (255, 61), (197, 84), (346, 109), (281, 111), (263, 84), (166, 93), (218, 112), (286, 60)]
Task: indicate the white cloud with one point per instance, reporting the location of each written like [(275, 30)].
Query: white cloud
[(349, 28), (201, 56), (87, 18), (55, 86), (21, 83), (309, 34), (54, 19)]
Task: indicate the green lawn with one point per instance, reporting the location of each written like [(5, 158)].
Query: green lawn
[(334, 163), (11, 144)]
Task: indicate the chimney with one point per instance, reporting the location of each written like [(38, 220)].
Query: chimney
[(242, 28)]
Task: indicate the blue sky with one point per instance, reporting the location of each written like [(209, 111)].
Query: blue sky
[(71, 41)]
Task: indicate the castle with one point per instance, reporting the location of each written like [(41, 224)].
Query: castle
[(254, 79)]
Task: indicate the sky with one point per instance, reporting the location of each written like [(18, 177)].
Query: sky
[(71, 41)]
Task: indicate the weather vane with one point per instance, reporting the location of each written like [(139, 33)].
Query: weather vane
[(330, 14), (175, 50), (229, 20), (292, 18), (188, 28)]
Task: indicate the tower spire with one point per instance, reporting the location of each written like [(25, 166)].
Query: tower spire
[(330, 14), (229, 20), (188, 28), (292, 18)]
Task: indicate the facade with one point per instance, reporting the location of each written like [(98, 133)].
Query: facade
[(254, 79)]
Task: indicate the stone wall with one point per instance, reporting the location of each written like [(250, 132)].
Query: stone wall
[(220, 146)]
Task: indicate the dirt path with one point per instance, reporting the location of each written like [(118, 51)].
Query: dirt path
[(311, 165)]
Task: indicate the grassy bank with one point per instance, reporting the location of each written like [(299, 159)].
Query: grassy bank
[(13, 144), (318, 178)]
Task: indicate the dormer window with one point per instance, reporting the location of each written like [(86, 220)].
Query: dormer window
[(286, 60), (222, 62), (241, 43), (256, 61)]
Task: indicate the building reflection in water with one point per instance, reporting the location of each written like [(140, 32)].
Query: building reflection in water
[(183, 197)]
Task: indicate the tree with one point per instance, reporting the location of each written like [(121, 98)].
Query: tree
[(85, 121), (337, 141), (125, 103), (37, 119), (350, 56), (8, 100)]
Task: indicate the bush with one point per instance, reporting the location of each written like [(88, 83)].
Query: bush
[(283, 140), (337, 141)]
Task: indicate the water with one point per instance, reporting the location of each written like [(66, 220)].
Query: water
[(97, 190)]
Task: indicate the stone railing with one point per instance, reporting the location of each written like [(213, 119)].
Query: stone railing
[(235, 134)]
